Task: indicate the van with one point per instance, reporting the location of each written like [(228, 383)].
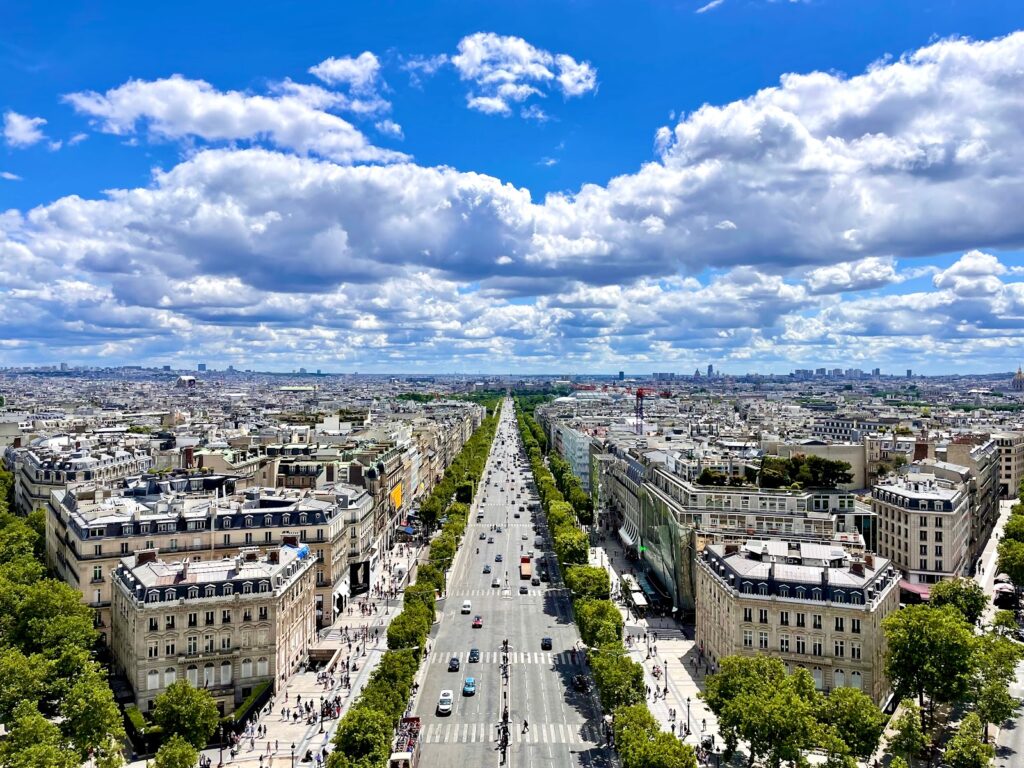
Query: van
[(467, 607)]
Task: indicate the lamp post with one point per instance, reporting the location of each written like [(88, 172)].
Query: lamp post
[(687, 715), (717, 752), (293, 754), (220, 762)]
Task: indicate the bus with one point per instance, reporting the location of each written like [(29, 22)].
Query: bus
[(525, 568)]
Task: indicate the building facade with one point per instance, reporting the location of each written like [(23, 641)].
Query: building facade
[(813, 606), (224, 625)]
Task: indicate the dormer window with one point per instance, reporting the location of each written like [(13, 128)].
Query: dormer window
[(248, 521), (268, 520), (247, 588), (302, 518), (226, 523), (211, 591), (748, 588), (169, 594), (286, 519), (153, 596), (193, 592), (816, 593), (264, 586), (229, 589)]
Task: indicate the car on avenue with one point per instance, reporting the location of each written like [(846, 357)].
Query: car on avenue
[(545, 643), (469, 687), (444, 702), (477, 622), (453, 664), (474, 655)]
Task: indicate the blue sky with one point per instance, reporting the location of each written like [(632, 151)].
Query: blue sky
[(463, 186)]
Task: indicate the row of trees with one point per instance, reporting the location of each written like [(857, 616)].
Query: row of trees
[(938, 656), (365, 734), (619, 679), (571, 489), (781, 716), (54, 696), (1011, 548), (464, 473)]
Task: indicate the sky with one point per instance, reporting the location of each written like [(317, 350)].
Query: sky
[(531, 187)]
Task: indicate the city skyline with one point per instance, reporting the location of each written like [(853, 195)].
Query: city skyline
[(765, 186)]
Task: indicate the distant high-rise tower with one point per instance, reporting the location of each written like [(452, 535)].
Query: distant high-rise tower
[(711, 371), (876, 371), (201, 367), (910, 373), (622, 375)]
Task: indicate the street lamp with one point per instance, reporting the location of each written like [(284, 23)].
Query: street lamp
[(687, 714), (293, 754), (220, 763), (718, 752)]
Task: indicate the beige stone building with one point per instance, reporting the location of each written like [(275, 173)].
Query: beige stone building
[(924, 527), (199, 518), (1011, 462), (813, 606), (224, 625)]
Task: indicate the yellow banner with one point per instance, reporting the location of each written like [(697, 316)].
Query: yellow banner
[(396, 496)]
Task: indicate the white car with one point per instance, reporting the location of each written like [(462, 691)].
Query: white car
[(444, 702)]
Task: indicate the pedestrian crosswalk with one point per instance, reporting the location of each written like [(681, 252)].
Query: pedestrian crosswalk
[(514, 585), (514, 657), (538, 733)]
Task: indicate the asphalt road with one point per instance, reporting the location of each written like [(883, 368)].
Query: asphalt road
[(564, 724), (1010, 744)]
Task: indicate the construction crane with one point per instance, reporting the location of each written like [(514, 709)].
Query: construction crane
[(639, 410)]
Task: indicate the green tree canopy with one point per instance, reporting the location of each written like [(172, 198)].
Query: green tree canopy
[(855, 718), (91, 716), (588, 581), (599, 621), (620, 680), (176, 752), (908, 738), (364, 734), (22, 678), (965, 595), (34, 742), (571, 546), (930, 652), (966, 748), (189, 712), (1011, 560)]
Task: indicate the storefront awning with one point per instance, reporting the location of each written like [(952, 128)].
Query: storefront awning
[(921, 590), (628, 540), (407, 529), (638, 599)]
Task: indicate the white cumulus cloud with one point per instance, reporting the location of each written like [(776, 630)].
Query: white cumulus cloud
[(22, 131)]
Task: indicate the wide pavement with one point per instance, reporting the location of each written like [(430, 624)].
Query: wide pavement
[(565, 726)]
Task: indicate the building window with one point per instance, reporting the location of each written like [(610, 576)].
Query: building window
[(819, 681), (838, 679), (784, 643), (263, 613), (801, 645), (227, 539), (783, 591), (817, 620), (816, 647), (225, 673), (762, 640), (153, 649), (225, 617), (209, 618), (748, 638), (192, 644), (229, 589), (154, 624), (938, 522), (840, 624), (855, 626), (246, 668), (247, 614), (748, 614), (208, 675), (762, 616), (211, 591), (169, 648), (225, 641), (248, 521), (170, 675), (153, 596), (169, 622), (124, 547), (748, 588), (193, 620), (192, 673), (762, 589), (262, 667), (840, 648), (226, 523), (801, 619), (855, 651), (152, 680), (784, 618), (247, 588), (208, 643), (264, 586), (856, 680)]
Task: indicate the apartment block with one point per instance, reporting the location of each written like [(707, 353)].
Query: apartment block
[(924, 526), (813, 606), (224, 625), (1011, 462), (200, 518)]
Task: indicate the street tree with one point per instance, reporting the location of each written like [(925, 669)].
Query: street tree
[(1011, 560), (571, 546), (855, 718), (176, 752), (409, 628), (930, 652), (34, 742), (965, 595), (22, 678), (364, 735), (966, 748), (1014, 528), (90, 714), (189, 712), (995, 663), (620, 680), (588, 581), (1004, 623), (908, 739)]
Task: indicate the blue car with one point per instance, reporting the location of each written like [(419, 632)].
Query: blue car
[(469, 687)]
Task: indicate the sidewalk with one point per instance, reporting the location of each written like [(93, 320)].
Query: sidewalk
[(666, 644), (986, 573)]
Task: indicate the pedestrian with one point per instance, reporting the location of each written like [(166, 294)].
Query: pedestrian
[(526, 726)]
